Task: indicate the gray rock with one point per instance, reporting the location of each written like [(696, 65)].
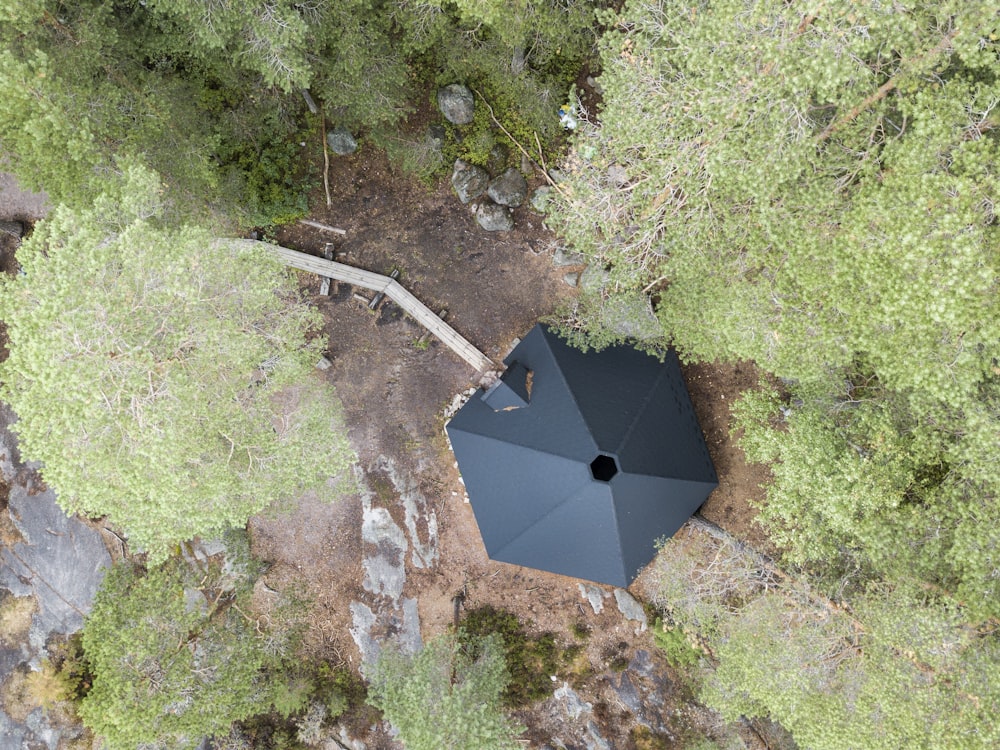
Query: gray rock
[(628, 694), (643, 664), (456, 104), (58, 560), (38, 723), (573, 279), (646, 692), (618, 174), (494, 218), (420, 519), (575, 706), (561, 258), (344, 741), (594, 739), (595, 595), (540, 199), (594, 278), (363, 620), (632, 317), (385, 571), (62, 561), (13, 228), (468, 180), (509, 189), (341, 141), (17, 202), (409, 639), (194, 601), (385, 615), (629, 607)]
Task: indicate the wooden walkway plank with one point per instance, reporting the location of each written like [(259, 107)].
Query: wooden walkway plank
[(339, 271), (433, 323), (392, 289)]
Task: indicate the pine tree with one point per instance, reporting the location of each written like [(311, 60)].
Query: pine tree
[(165, 380), (813, 189), (444, 697), (175, 654)]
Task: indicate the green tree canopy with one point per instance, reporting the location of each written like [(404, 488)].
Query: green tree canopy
[(174, 653), (445, 697), (206, 92), (812, 187), (898, 667), (799, 186), (165, 379)]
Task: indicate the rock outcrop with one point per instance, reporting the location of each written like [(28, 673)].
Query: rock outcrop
[(509, 189), (456, 104), (341, 141), (468, 180), (494, 218)]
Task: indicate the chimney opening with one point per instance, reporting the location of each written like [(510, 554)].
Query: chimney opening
[(604, 467)]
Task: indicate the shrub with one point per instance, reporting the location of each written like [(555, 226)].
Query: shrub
[(530, 660), (448, 696)]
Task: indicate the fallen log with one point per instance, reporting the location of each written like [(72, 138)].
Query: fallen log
[(321, 225)]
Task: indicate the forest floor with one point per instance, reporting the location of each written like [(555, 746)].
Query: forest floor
[(395, 388)]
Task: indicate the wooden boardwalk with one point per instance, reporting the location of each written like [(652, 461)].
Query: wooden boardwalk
[(392, 289)]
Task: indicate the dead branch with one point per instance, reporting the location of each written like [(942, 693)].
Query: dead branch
[(521, 148), (326, 163), (320, 225)]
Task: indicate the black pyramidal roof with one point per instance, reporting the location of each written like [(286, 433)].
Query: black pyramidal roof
[(577, 463)]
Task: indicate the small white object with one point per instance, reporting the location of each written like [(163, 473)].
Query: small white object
[(567, 117)]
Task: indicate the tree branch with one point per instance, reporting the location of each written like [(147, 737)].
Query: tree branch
[(514, 140), (884, 89)]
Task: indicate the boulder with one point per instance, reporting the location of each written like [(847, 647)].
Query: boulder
[(53, 564), (561, 258), (617, 174), (469, 180), (629, 606), (456, 104), (631, 316), (540, 199), (594, 278), (509, 189), (494, 218), (341, 141), (595, 595)]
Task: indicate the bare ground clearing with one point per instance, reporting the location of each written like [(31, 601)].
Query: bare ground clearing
[(395, 387)]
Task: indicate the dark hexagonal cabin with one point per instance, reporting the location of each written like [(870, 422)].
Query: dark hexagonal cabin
[(577, 463)]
